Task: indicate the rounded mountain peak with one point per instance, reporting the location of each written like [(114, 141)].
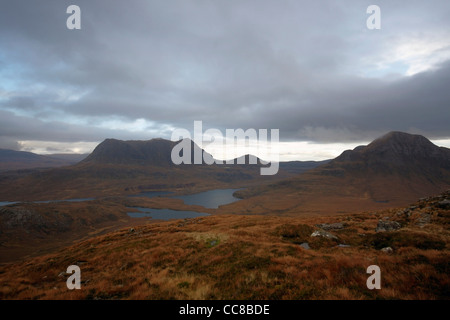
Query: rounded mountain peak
[(401, 143)]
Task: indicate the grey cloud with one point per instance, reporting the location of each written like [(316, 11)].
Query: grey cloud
[(14, 128), (9, 143), (292, 65)]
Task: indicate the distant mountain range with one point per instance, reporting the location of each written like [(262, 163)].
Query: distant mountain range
[(117, 167), (393, 170), (16, 160)]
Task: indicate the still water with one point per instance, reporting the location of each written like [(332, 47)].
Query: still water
[(5, 203), (208, 199)]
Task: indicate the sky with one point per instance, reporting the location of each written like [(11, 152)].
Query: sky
[(138, 70)]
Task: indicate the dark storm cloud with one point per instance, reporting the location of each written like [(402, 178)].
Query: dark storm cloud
[(27, 128), (303, 67)]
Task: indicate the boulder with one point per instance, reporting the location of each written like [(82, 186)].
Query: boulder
[(387, 250), (444, 204), (423, 219), (305, 245), (331, 226), (386, 225), (323, 234)]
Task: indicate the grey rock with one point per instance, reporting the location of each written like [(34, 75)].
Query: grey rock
[(444, 204), (341, 245), (387, 250), (423, 219), (405, 212), (384, 225), (323, 234), (213, 243), (331, 226), (305, 245)]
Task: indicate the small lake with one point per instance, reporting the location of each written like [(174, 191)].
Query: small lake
[(164, 214), (210, 199), (5, 203), (68, 200)]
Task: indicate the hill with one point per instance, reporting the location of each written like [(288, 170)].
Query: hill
[(69, 157), (155, 152), (18, 160), (395, 153), (392, 170)]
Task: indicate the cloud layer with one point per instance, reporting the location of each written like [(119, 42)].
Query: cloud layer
[(139, 69)]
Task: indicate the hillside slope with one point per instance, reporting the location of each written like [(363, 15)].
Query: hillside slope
[(253, 257), (19, 160), (392, 170)]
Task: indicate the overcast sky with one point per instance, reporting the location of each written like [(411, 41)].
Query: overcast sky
[(140, 69)]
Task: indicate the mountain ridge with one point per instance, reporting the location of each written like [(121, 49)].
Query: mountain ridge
[(392, 170), (18, 160)]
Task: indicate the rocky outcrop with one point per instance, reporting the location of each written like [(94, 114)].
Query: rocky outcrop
[(331, 226), (386, 225), (324, 234)]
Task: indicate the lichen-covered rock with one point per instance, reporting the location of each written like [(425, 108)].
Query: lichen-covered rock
[(331, 226), (387, 250), (386, 225), (324, 234), (305, 245), (423, 219), (444, 204)]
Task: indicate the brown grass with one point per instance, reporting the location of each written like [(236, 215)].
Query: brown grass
[(246, 257)]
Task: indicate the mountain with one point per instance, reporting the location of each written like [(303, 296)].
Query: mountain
[(16, 160), (112, 151), (392, 170), (117, 167), (394, 155), (155, 152), (72, 158), (396, 151)]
